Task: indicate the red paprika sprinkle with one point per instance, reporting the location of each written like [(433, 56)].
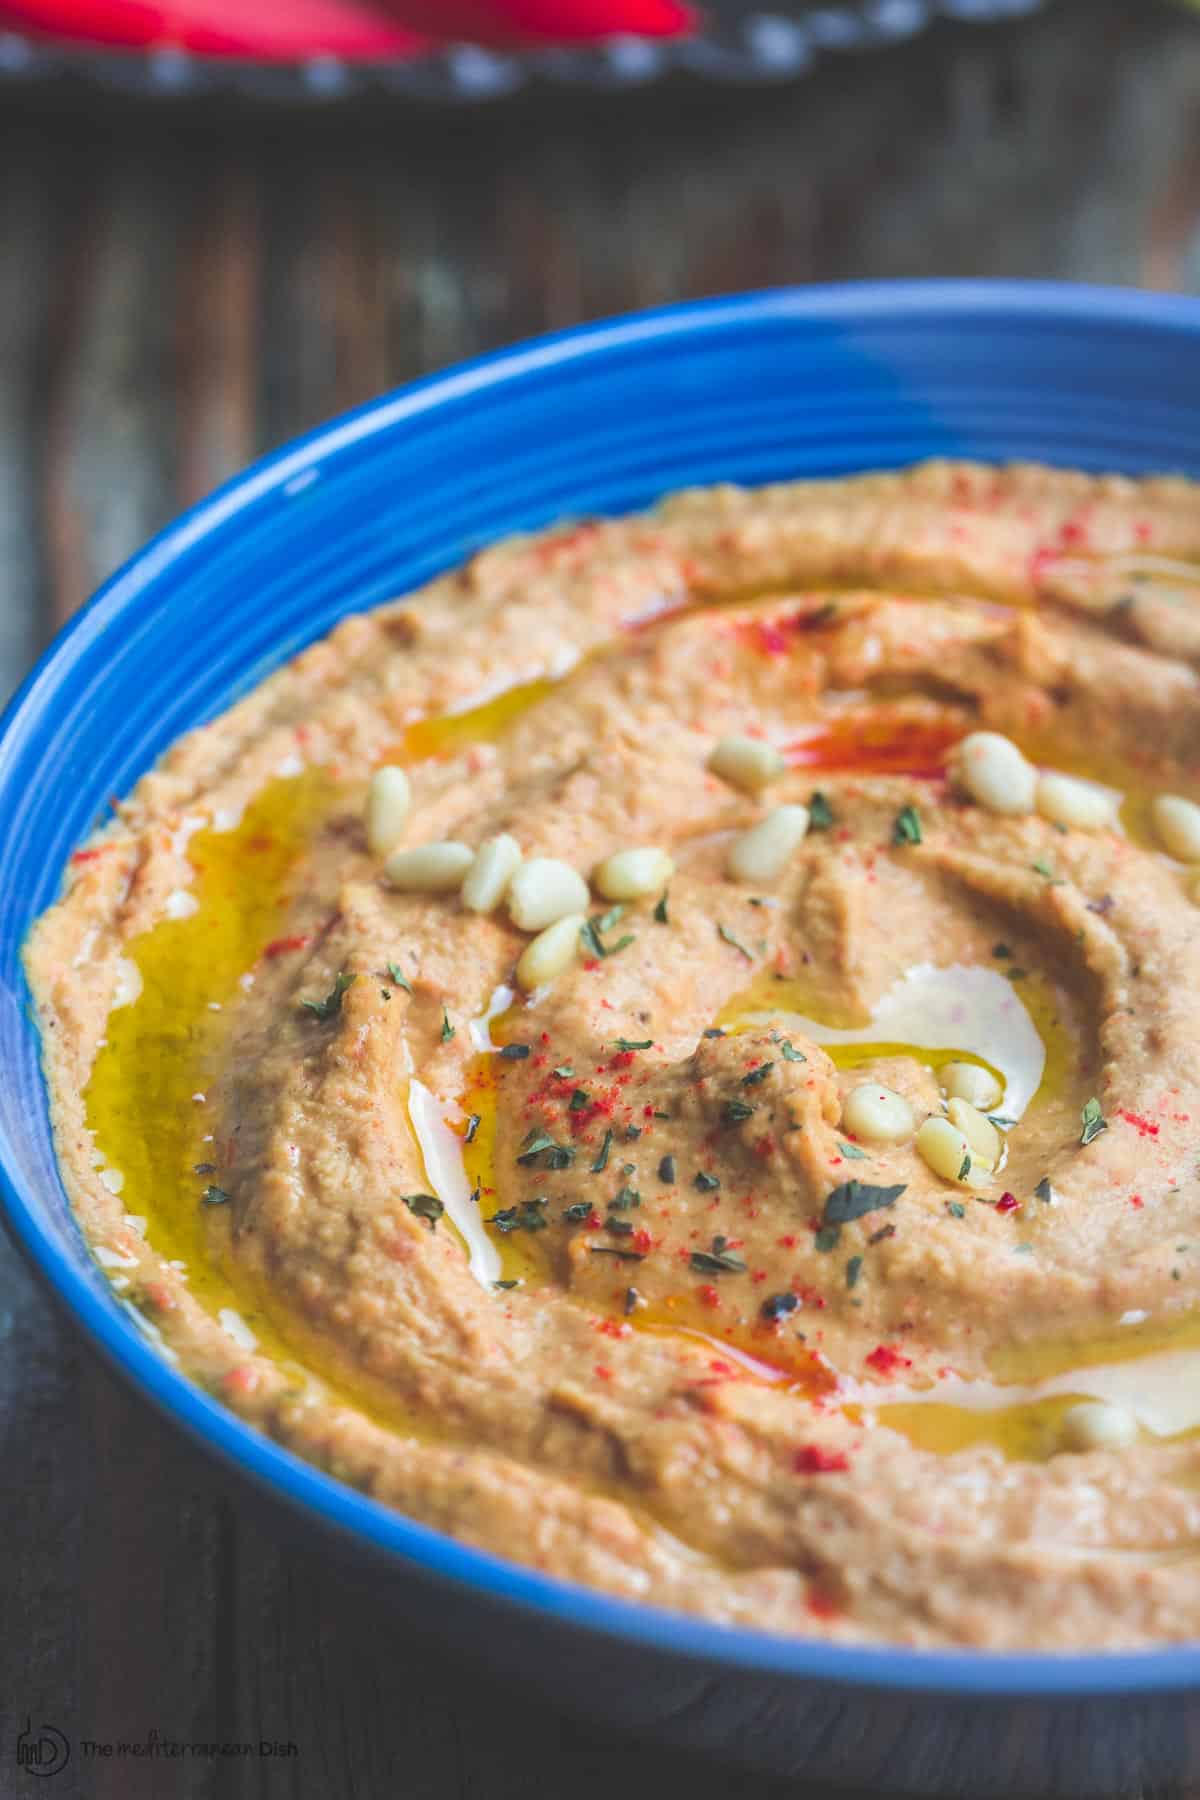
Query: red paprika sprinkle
[(280, 946), (822, 1605), (812, 1459)]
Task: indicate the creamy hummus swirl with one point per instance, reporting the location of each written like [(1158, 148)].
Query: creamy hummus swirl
[(598, 1277)]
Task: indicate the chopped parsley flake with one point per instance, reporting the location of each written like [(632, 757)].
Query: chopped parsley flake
[(735, 1111), (579, 1099), (820, 813), (331, 1005), (215, 1196), (425, 1206), (726, 936), (513, 1052), (757, 1075), (1092, 1121), (956, 1209), (718, 1260), (853, 1271), (624, 1198), (601, 1162), (790, 1054), (852, 1200), (591, 929), (852, 1151), (539, 1144), (666, 1169), (660, 911), (706, 1184), (448, 1029), (634, 1043), (530, 1215), (906, 828), (399, 977), (473, 1124), (778, 1306)]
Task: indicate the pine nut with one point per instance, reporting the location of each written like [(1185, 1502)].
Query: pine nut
[(746, 763), (388, 800), (1080, 804), (762, 853), (496, 862), (877, 1114), (631, 874), (1098, 1425), (984, 1141), (550, 952), (1177, 822), (993, 772), (544, 889), (967, 1081), (429, 868), (945, 1148)]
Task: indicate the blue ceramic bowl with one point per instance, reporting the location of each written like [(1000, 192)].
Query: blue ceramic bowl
[(810, 382)]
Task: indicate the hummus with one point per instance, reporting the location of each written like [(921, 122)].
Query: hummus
[(811, 1241)]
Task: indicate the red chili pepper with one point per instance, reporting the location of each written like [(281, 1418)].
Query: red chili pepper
[(273, 30)]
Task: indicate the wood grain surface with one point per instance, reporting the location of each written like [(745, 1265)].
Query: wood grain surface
[(181, 290)]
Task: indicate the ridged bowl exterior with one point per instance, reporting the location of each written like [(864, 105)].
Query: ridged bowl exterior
[(802, 382)]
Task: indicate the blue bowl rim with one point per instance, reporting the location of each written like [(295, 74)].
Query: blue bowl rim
[(317, 1497)]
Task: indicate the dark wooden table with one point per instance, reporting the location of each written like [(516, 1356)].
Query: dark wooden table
[(182, 290)]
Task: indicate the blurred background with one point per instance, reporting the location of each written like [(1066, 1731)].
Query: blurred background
[(201, 257), (209, 243)]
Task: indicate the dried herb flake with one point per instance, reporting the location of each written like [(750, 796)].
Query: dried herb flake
[(726, 936), (820, 813), (331, 1005), (906, 828), (1092, 1121), (425, 1206)]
